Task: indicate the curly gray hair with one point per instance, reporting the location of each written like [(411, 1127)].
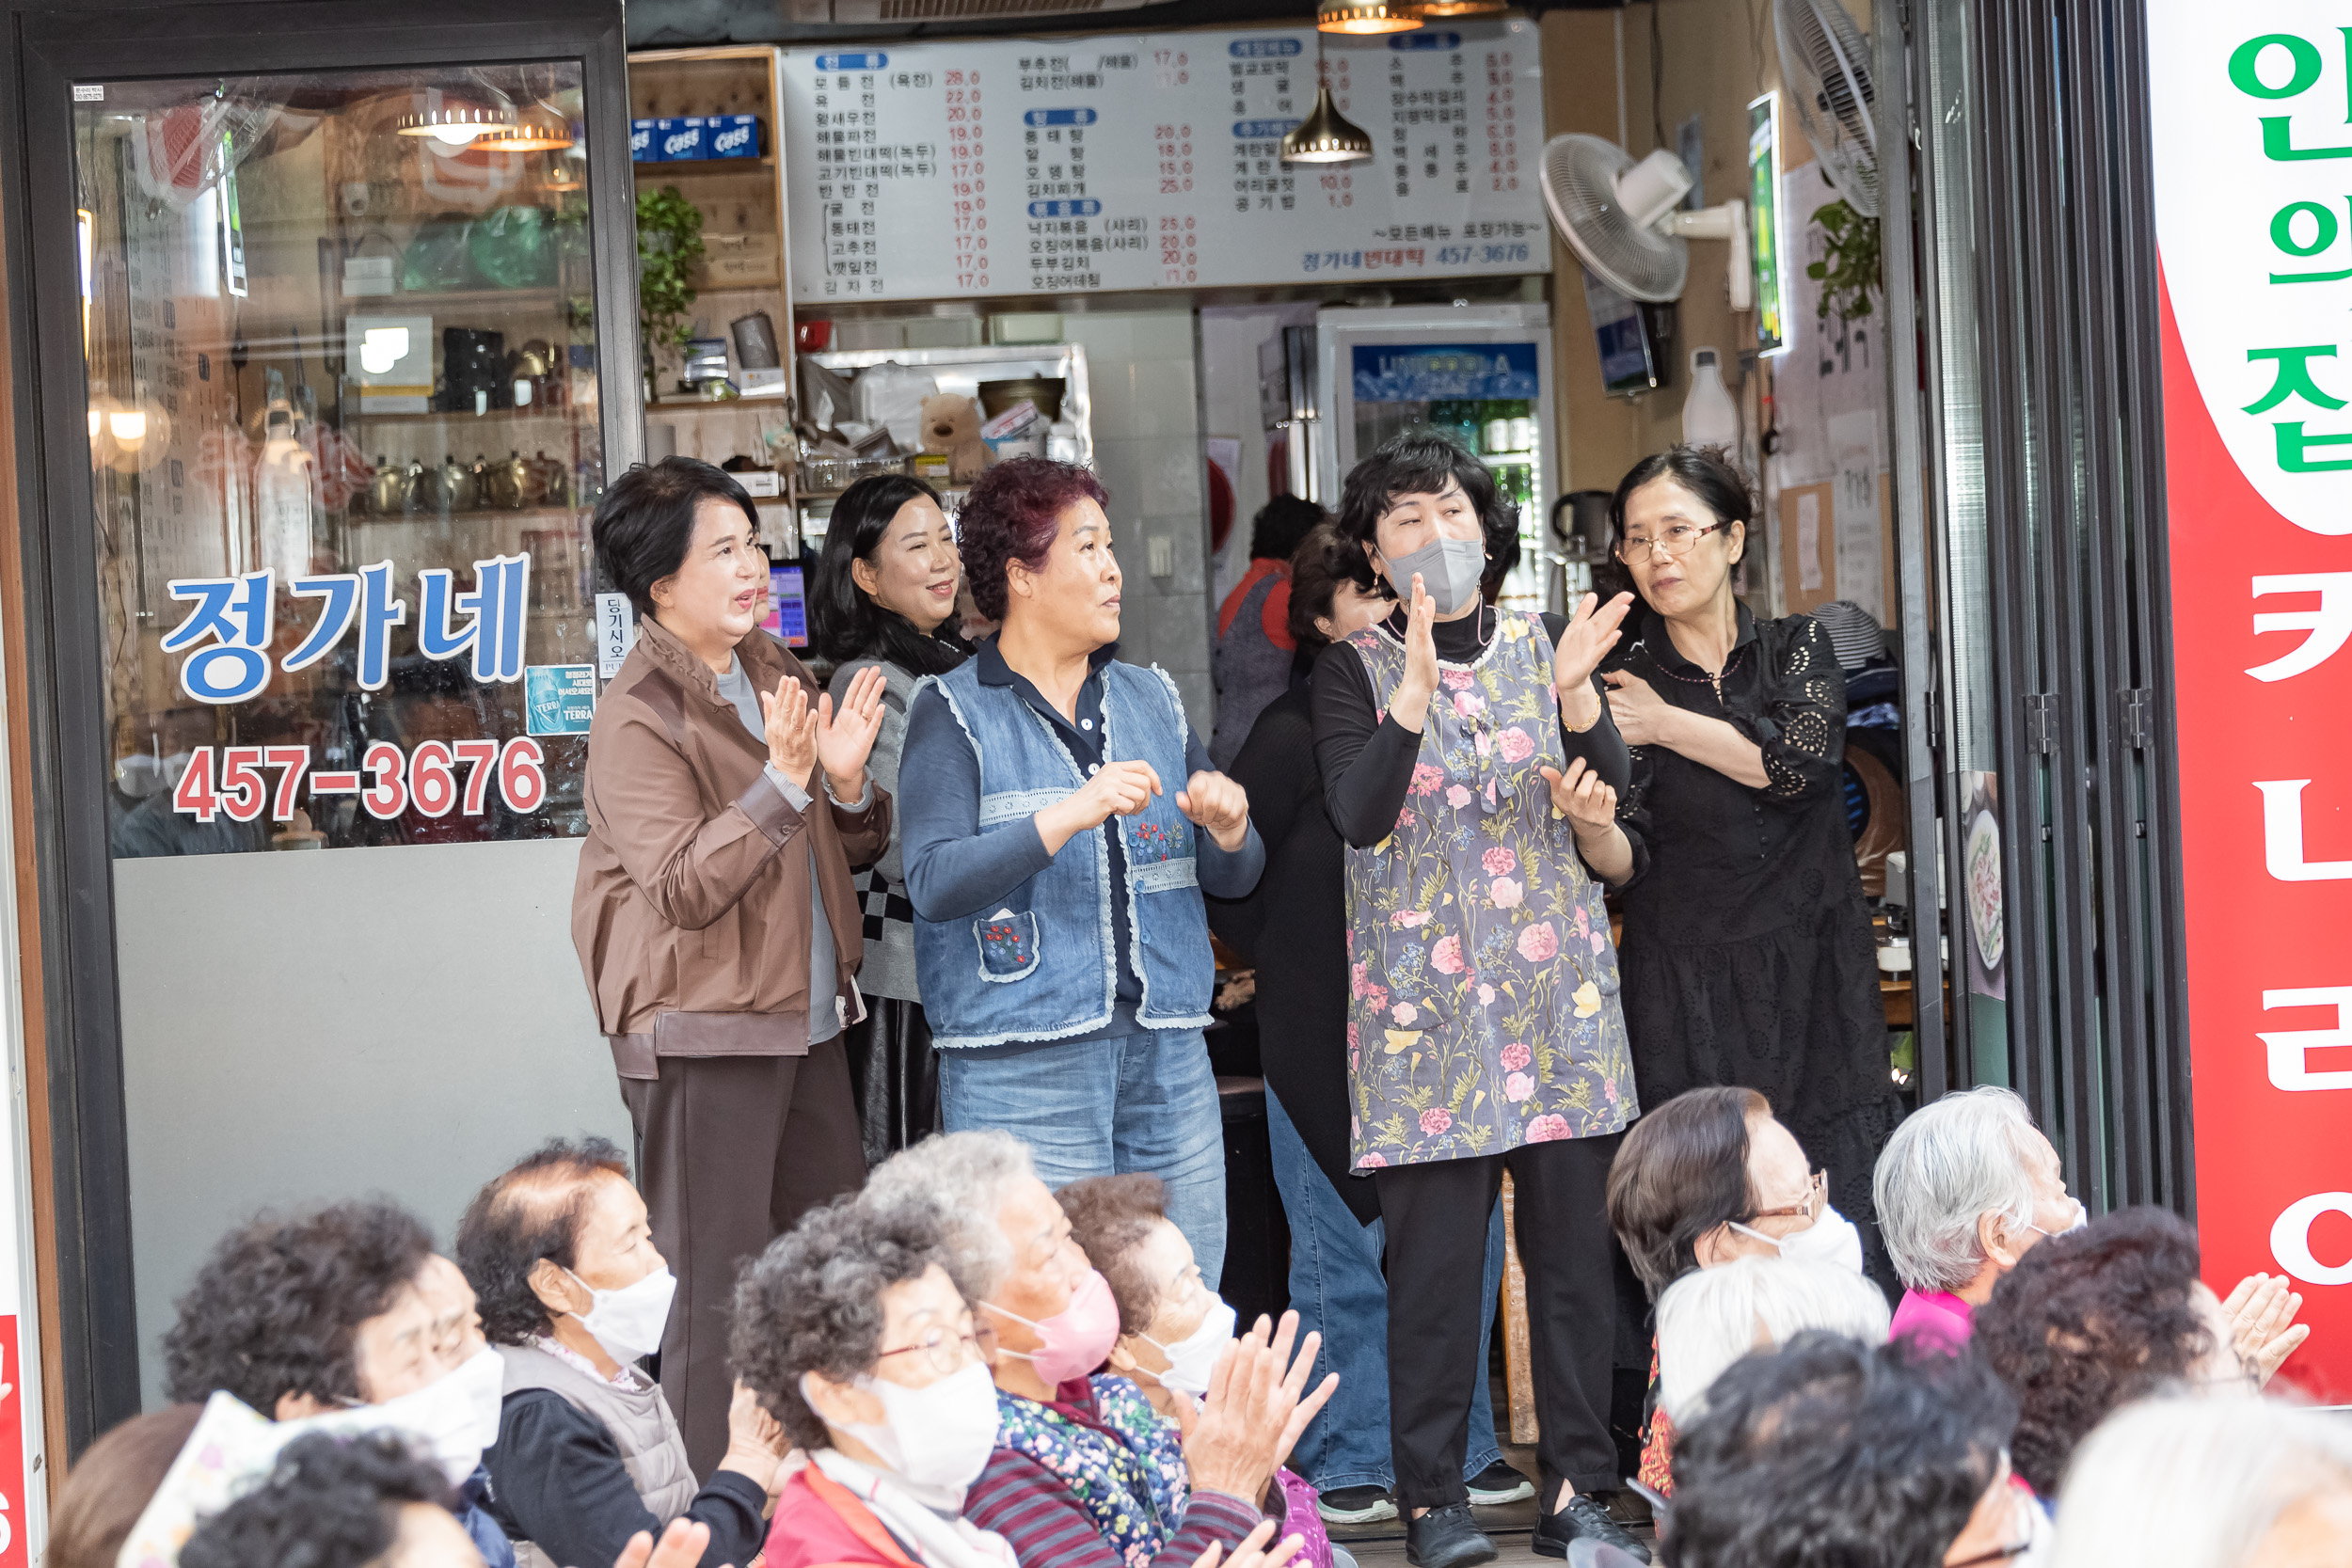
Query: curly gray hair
[(954, 1182), (812, 1302), (1948, 1165)]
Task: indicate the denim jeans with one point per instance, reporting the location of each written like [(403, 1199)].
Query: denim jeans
[(1337, 1288), (1145, 1102)]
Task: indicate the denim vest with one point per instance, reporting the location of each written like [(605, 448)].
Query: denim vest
[(1039, 966)]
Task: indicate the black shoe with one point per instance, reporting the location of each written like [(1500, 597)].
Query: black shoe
[(1496, 1484), (1445, 1538), (1584, 1520), (1355, 1505)]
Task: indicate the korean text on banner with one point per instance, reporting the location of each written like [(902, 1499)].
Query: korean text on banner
[(2252, 156)]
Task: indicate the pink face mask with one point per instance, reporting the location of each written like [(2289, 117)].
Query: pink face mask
[(1076, 1339)]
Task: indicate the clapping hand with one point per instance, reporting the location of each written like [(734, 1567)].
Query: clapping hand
[(682, 1546), (1590, 805), (1590, 632), (846, 738), (1410, 706), (1639, 710), (1253, 1551), (2261, 1323), (1218, 807)]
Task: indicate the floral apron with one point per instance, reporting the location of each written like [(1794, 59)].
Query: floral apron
[(1483, 989)]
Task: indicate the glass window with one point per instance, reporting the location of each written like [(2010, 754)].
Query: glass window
[(344, 445)]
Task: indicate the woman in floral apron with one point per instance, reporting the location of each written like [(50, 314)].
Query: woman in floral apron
[(1464, 749)]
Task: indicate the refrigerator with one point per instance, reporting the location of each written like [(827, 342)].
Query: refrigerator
[(1478, 374)]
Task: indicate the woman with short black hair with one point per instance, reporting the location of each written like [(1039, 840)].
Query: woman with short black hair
[(1747, 945), (713, 913), (885, 598), (1466, 755)]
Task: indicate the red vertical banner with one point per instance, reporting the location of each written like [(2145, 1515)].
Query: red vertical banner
[(2251, 160), (15, 1481)]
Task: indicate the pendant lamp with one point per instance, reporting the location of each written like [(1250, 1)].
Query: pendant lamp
[(1325, 136), (1366, 16), (537, 129), (456, 117), (1431, 11)]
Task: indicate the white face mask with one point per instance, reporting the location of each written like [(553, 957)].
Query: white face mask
[(628, 1322), (2082, 1218), (453, 1420), (1192, 1358), (937, 1436), (1829, 1239)]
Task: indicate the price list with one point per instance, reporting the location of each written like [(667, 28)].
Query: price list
[(1013, 166)]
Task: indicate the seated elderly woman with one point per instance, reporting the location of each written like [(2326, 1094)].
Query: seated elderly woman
[(347, 1305), (2094, 1318), (1704, 1179), (1709, 1318), (849, 1328), (1085, 1473), (2208, 1483), (1964, 1187), (573, 1293), (1829, 1452)]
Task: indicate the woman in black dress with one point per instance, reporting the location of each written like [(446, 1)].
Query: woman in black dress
[(1747, 952)]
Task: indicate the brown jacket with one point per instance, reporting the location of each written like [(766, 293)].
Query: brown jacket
[(691, 912)]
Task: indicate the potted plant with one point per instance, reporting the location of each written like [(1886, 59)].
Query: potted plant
[(669, 243)]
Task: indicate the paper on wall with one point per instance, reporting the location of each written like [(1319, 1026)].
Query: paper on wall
[(1853, 440), (1809, 542)]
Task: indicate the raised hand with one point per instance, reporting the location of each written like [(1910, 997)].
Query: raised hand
[(756, 1441), (1590, 805), (845, 740), (2261, 1323), (682, 1546), (1590, 632), (1218, 805), (1410, 706), (791, 731)]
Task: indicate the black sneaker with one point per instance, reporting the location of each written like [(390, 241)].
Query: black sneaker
[(1584, 1520), (1496, 1484), (1445, 1538), (1355, 1505)]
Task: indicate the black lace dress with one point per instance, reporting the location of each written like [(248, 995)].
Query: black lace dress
[(1747, 954)]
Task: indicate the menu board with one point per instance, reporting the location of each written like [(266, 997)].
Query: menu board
[(932, 170)]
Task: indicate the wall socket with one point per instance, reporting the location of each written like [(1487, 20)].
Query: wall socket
[(1161, 552)]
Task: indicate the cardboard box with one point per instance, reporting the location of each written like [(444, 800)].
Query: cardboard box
[(642, 147), (679, 140), (731, 135), (738, 262)]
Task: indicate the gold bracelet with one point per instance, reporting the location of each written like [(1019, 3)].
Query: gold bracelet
[(1579, 729)]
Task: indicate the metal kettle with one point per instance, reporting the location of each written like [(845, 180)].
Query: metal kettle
[(388, 492)]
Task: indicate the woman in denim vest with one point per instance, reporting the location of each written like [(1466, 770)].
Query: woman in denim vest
[(1062, 822), (1465, 751)]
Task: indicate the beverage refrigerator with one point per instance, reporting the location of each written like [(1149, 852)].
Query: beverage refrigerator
[(1478, 374)]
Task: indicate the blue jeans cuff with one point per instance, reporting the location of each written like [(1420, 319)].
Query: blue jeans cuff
[(1328, 1484), (1479, 1461)]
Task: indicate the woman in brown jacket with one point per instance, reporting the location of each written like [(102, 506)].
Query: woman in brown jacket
[(714, 912)]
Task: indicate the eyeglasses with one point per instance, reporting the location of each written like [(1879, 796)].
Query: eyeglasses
[(945, 1350), (1676, 542), (1815, 1199)]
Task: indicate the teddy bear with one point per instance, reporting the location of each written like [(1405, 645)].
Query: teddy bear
[(952, 424)]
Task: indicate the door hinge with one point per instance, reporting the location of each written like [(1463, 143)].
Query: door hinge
[(1935, 719), (2139, 717), (2042, 721)]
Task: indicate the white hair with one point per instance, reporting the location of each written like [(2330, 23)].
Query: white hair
[(2181, 1481), (1948, 1166), (961, 1179), (1708, 1319)]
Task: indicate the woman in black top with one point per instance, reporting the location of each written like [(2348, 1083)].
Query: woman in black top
[(1747, 953)]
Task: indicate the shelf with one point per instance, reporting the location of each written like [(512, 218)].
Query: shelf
[(737, 406), (355, 415), (463, 298), (704, 166)]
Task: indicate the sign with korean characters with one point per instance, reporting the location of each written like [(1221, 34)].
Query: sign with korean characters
[(2252, 163), (931, 171)]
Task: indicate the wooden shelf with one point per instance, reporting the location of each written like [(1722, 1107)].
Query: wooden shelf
[(356, 414), (464, 298), (704, 166)]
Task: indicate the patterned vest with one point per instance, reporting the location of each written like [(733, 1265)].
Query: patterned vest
[(1483, 989)]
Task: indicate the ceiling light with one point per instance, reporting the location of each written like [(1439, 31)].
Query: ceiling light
[(455, 118), (1366, 16), (537, 129), (1325, 137), (1432, 10)]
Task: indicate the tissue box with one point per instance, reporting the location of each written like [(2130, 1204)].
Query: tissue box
[(677, 140), (643, 148), (731, 135)]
